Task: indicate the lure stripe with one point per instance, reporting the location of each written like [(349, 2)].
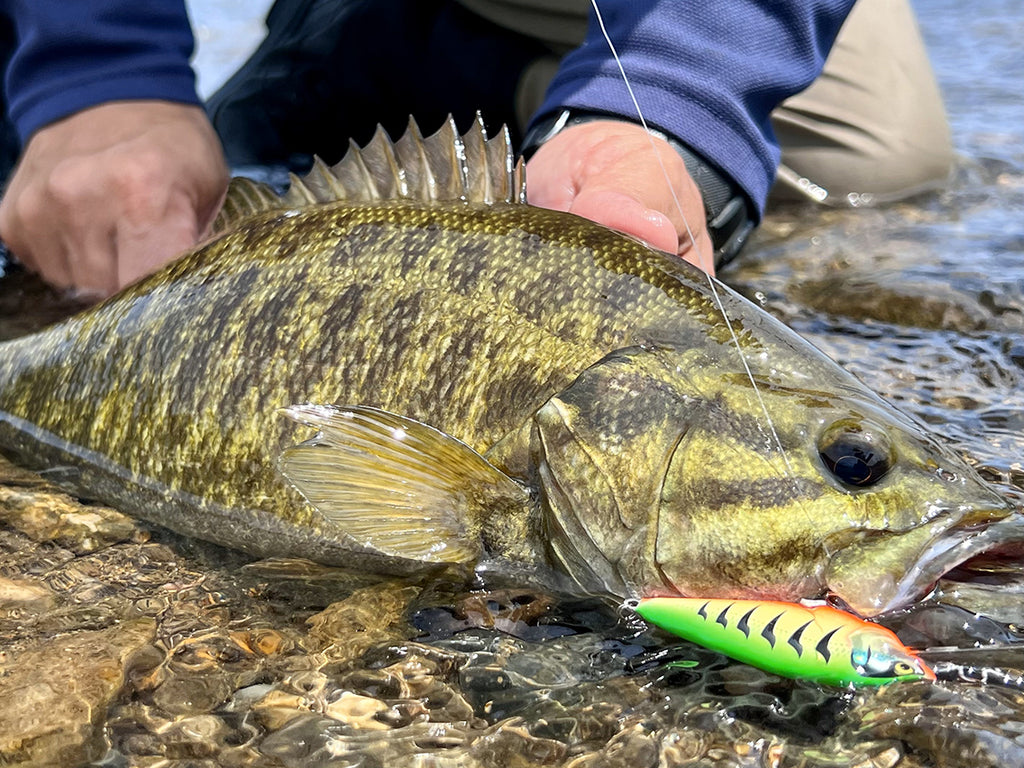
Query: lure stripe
[(744, 625), (847, 650), (768, 633), (794, 639), (822, 646)]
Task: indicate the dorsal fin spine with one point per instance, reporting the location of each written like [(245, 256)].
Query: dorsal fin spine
[(444, 166)]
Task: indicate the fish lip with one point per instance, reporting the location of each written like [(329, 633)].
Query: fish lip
[(944, 553), (948, 548)]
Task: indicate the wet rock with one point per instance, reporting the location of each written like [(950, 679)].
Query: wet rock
[(513, 612), (635, 747), (263, 642), (278, 708), (202, 671), (368, 617), (24, 596), (679, 747), (302, 693), (413, 688), (361, 712), (511, 745), (949, 726), (281, 706), (193, 693), (157, 738), (54, 697), (887, 757), (505, 676), (21, 556), (29, 504), (13, 476), (317, 740), (201, 736), (922, 299), (675, 748)]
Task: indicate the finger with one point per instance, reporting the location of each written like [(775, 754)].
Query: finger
[(91, 259), (86, 213), (627, 214), (31, 239), (548, 187), (696, 248), (144, 248)]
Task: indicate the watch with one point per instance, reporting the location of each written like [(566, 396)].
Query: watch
[(728, 212)]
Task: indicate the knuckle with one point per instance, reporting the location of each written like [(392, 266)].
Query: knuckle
[(141, 195), (67, 184), (135, 178), (25, 211), (129, 187)]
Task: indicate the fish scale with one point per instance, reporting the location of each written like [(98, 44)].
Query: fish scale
[(213, 334), (582, 404)]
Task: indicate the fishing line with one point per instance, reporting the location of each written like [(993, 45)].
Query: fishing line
[(693, 240), (949, 671)]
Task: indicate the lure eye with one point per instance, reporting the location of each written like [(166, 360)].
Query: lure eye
[(857, 454), (901, 668)]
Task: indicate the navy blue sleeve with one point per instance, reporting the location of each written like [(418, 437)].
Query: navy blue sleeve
[(708, 73), (73, 54)]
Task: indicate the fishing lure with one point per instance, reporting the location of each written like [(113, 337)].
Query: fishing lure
[(821, 644)]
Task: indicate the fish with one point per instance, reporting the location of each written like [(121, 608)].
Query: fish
[(816, 643), (400, 365)]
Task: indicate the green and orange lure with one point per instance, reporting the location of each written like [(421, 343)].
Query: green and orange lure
[(821, 644)]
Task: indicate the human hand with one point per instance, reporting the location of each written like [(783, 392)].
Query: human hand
[(617, 174), (111, 193)]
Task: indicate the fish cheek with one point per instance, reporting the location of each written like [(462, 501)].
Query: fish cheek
[(735, 527), (700, 546), (601, 448)]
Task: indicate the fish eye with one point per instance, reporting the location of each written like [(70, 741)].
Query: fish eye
[(857, 454)]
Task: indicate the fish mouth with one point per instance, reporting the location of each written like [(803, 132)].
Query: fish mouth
[(873, 576)]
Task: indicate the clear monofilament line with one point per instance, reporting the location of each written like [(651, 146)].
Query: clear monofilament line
[(689, 232)]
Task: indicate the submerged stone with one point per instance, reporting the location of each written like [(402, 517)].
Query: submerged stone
[(54, 697), (368, 617), (24, 595), (31, 505)]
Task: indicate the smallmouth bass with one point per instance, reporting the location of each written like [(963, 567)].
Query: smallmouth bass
[(485, 380)]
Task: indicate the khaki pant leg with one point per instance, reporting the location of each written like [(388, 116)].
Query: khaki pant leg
[(532, 84), (872, 127)]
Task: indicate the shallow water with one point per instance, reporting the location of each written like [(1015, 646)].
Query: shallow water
[(199, 657)]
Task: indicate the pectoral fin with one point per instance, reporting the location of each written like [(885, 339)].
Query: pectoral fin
[(396, 484)]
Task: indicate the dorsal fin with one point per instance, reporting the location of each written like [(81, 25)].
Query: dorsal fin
[(444, 166)]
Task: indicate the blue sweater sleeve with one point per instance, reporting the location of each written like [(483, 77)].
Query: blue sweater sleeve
[(708, 73), (73, 54)]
